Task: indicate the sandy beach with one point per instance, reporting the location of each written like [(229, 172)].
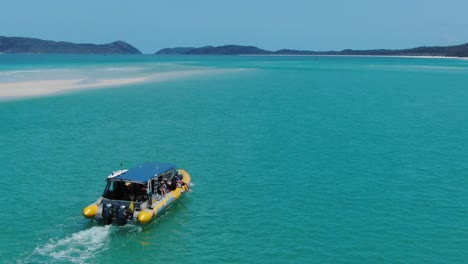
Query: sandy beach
[(47, 87), (34, 88)]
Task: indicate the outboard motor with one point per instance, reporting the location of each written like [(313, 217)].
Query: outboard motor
[(107, 213), (122, 215)]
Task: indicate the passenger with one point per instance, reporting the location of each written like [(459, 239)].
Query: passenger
[(162, 186), (140, 193), (162, 190), (129, 191), (185, 186), (181, 183), (178, 176), (166, 185), (173, 184)]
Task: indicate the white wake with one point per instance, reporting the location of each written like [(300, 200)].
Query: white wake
[(78, 247)]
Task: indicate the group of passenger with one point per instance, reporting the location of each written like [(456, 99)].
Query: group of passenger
[(166, 185), (137, 192)]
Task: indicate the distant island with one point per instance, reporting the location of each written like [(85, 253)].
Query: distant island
[(33, 45), (442, 51), (221, 50)]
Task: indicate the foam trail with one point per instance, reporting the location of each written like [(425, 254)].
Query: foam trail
[(78, 247)]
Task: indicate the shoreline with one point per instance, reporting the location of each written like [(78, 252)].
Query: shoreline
[(363, 56)]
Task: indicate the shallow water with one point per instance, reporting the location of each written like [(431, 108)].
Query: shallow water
[(293, 159)]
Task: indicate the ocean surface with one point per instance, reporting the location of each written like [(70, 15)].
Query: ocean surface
[(293, 159)]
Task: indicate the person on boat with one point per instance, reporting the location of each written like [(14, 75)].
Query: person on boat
[(142, 193), (172, 184), (139, 192), (162, 186), (129, 191), (181, 183)]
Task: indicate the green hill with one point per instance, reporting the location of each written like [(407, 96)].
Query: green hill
[(220, 50), (444, 51), (33, 45)]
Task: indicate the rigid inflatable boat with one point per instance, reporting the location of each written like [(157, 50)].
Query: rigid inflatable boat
[(139, 194)]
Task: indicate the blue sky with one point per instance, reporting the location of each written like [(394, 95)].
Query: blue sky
[(295, 24)]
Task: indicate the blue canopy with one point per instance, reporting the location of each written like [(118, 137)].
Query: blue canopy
[(145, 172)]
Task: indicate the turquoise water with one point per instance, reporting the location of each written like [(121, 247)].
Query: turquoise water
[(293, 160)]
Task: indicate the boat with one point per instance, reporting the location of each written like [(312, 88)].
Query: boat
[(138, 195)]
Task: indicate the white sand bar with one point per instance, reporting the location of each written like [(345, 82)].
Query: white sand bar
[(22, 89), (47, 87)]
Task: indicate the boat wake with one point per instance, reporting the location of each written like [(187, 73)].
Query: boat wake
[(79, 247)]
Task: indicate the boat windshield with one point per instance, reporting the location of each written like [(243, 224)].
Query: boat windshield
[(125, 191)]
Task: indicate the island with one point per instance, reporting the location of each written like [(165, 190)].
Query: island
[(439, 51), (220, 50), (34, 45)]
